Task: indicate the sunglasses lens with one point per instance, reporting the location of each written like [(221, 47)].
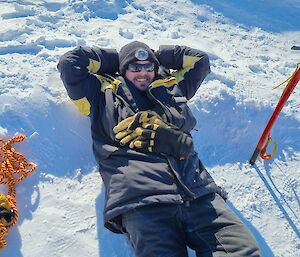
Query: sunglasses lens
[(137, 67), (134, 67), (149, 67)]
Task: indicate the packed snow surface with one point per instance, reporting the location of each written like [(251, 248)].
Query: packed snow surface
[(249, 46)]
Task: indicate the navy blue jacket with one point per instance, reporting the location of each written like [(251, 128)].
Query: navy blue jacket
[(134, 178)]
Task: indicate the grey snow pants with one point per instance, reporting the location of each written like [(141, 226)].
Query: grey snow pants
[(206, 225)]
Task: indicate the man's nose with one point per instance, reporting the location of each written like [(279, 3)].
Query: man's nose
[(143, 71)]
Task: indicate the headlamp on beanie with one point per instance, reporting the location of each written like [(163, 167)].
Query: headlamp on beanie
[(141, 54), (136, 51)]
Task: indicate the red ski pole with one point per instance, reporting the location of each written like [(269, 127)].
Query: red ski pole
[(284, 97)]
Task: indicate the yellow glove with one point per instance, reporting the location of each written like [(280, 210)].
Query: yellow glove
[(159, 139), (125, 130)]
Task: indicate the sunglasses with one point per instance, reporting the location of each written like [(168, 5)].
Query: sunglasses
[(137, 67)]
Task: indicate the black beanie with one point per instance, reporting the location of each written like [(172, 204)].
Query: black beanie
[(135, 51)]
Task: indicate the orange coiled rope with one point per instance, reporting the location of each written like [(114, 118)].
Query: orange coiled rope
[(13, 169)]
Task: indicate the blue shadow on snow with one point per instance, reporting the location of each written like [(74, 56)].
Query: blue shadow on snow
[(228, 130), (110, 244), (274, 16), (102, 9), (276, 199), (265, 249), (50, 145)]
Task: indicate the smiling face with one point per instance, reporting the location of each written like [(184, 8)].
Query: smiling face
[(141, 79)]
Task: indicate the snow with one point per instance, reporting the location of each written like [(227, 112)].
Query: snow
[(249, 45)]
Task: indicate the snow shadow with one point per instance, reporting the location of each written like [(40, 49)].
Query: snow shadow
[(278, 201), (14, 238), (265, 249), (103, 9), (275, 16), (110, 244), (228, 130), (58, 138)]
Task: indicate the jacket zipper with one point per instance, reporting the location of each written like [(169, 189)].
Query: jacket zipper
[(166, 111)]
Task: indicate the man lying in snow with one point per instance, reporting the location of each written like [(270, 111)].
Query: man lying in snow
[(157, 190)]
